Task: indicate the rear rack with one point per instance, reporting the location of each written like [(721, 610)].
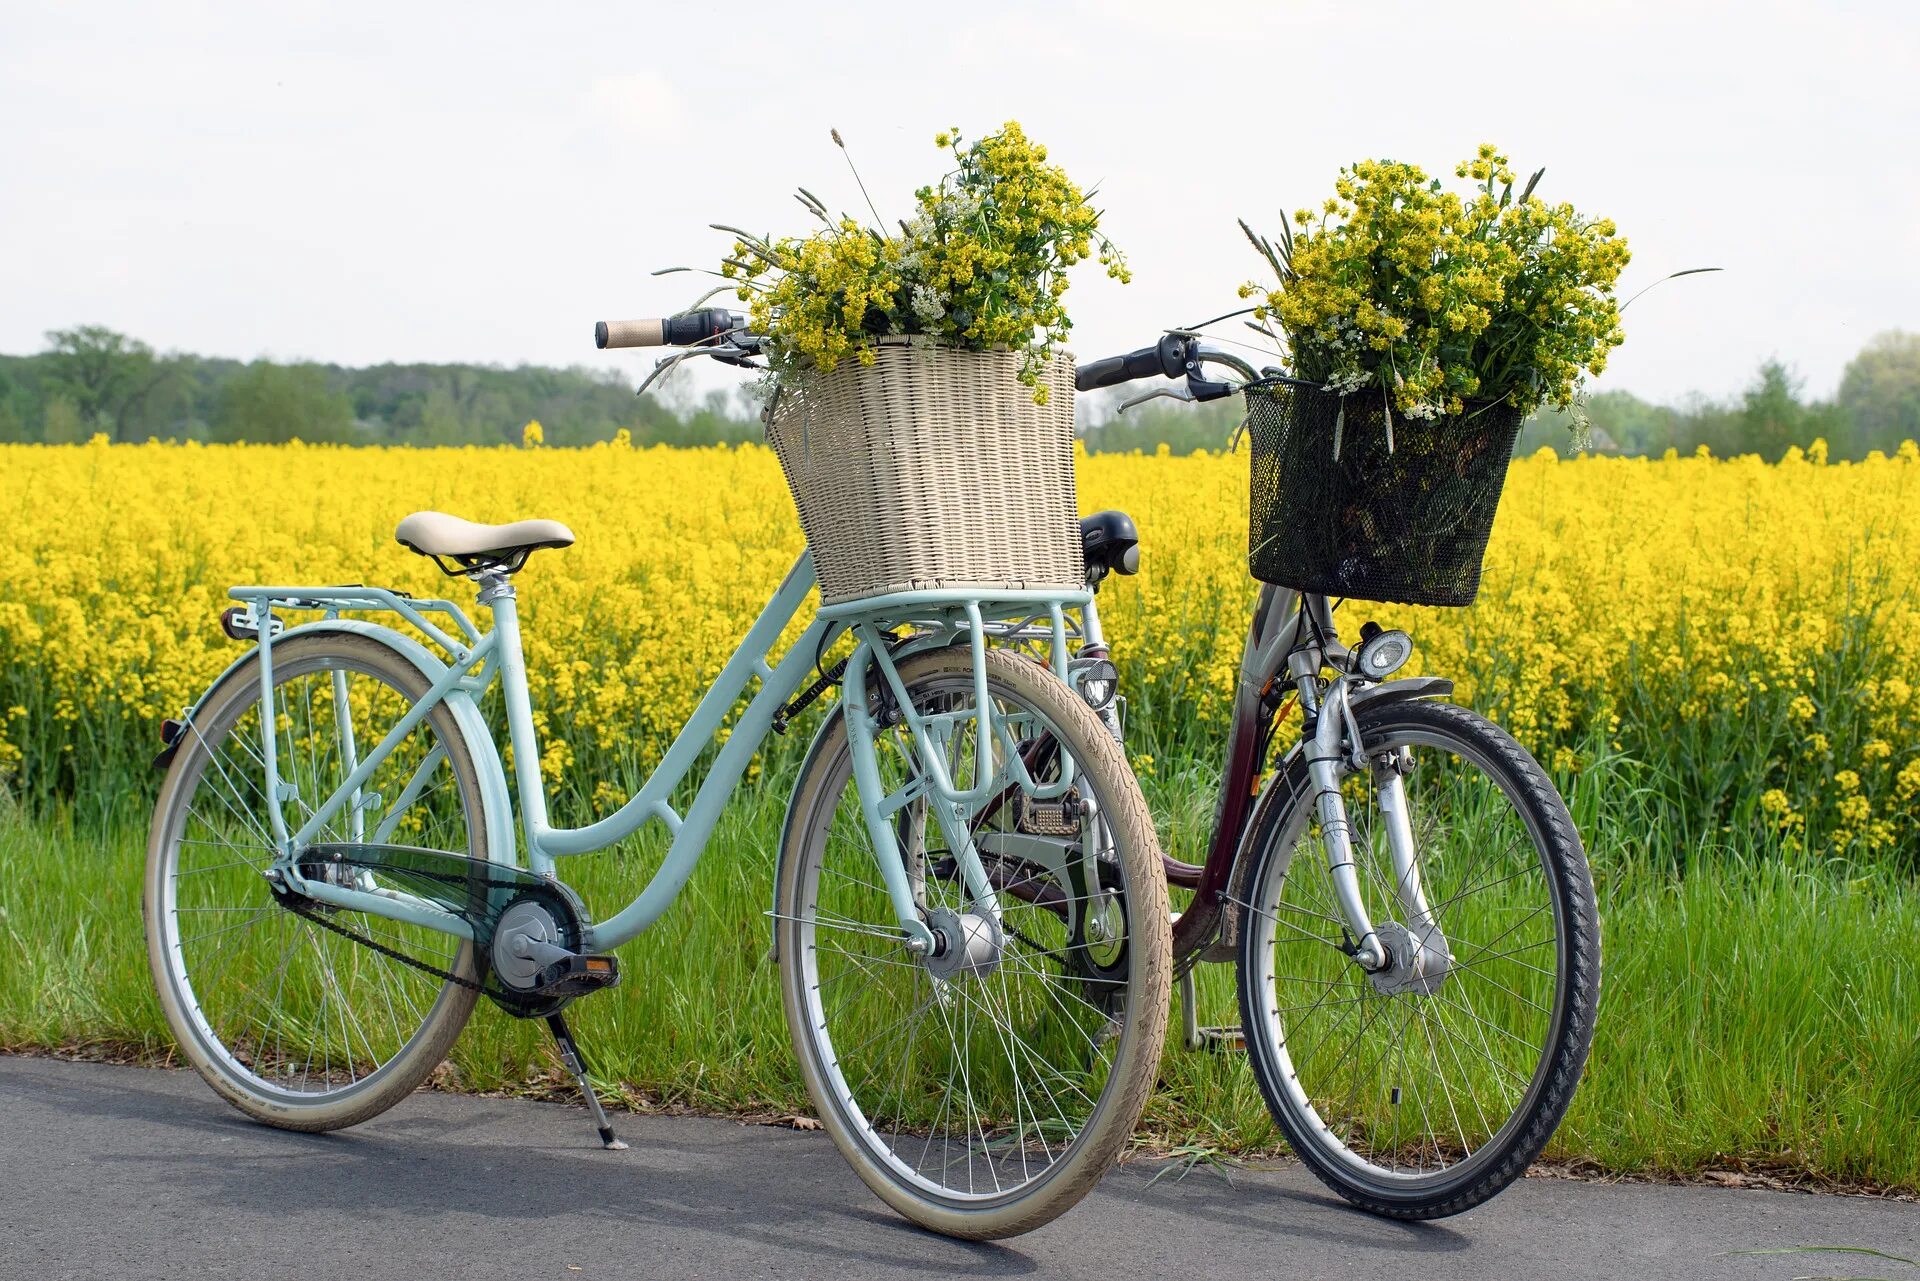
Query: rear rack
[(332, 602)]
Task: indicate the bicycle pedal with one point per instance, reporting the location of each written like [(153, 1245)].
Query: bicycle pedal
[(1223, 1040), (1049, 818), (576, 975)]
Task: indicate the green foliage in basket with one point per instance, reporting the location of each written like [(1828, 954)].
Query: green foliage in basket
[(981, 263), (1439, 299)]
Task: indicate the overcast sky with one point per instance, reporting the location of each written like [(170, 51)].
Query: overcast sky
[(477, 182)]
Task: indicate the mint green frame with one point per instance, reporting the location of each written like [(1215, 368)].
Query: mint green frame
[(475, 660)]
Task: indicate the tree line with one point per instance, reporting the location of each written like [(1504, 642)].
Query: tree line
[(91, 380), (1876, 407)]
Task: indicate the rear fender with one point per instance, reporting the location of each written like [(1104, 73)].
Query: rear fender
[(496, 802)]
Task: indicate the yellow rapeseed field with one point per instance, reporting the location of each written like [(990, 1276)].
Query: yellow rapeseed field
[(1747, 632)]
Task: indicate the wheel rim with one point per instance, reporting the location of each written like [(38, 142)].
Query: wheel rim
[(1407, 1090), (287, 1009), (969, 1089)]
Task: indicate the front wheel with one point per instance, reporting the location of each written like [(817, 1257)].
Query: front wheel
[(983, 1090), (1423, 1089)]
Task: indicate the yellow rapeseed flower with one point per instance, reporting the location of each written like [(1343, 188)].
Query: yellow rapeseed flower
[(1623, 599)]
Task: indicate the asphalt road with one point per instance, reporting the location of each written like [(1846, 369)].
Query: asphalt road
[(110, 1172)]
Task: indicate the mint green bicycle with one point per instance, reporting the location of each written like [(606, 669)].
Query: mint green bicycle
[(969, 911)]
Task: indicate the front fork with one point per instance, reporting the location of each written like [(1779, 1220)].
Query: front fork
[(1334, 751), (933, 783)]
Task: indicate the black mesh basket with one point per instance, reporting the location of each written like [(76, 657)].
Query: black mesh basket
[(1408, 526)]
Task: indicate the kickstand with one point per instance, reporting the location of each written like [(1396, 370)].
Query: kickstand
[(1189, 1013), (1203, 1038), (577, 1064)]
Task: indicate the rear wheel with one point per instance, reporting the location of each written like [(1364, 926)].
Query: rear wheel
[(290, 1021), (982, 1091), (1421, 1093)]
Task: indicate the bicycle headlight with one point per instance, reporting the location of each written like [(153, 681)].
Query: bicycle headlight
[(1383, 654), (1097, 680)]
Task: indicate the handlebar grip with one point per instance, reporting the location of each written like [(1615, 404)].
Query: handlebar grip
[(1167, 358), (628, 333), (673, 331)]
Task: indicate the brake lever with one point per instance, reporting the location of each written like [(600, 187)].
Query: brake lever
[(1199, 385), (728, 354), (1171, 393)]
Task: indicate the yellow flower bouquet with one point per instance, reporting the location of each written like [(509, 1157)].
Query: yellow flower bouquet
[(920, 407), (1455, 315), (981, 264), (1440, 299)]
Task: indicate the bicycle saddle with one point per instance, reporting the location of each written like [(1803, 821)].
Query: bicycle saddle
[(473, 547)]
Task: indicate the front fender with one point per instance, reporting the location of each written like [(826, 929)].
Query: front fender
[(1402, 690), (495, 800)]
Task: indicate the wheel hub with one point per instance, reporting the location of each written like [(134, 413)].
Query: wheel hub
[(967, 943), (1103, 929), (1417, 962)]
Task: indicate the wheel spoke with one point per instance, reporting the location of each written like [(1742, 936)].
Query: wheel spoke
[(962, 1082)]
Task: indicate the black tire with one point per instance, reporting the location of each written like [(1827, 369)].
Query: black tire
[(1349, 1151)]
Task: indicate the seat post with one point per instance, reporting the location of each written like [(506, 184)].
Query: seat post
[(497, 595)]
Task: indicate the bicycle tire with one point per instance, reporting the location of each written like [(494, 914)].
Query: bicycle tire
[(228, 1062), (1486, 1170), (824, 782)]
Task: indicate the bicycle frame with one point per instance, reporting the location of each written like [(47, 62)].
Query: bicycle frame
[(1291, 640), (1292, 637), (477, 660)]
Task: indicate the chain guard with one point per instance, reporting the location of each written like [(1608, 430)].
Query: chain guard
[(474, 890)]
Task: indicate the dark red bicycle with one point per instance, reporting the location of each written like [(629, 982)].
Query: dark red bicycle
[(1401, 885)]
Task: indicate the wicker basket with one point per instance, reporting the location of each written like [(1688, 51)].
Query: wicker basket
[(1408, 524), (932, 469)]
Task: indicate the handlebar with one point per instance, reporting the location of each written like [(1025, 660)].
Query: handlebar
[(1168, 358), (1175, 355), (672, 331)]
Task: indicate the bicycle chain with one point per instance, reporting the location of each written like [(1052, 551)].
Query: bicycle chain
[(348, 932)]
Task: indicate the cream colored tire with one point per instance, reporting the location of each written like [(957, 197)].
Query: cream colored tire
[(245, 1040), (1039, 994)]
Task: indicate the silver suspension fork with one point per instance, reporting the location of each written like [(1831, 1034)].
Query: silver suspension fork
[(1390, 798), (1424, 959), (1420, 958), (1326, 761)]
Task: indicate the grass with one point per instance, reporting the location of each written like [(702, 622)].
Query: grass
[(1758, 1012)]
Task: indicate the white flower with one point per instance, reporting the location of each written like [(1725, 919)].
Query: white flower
[(927, 305)]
